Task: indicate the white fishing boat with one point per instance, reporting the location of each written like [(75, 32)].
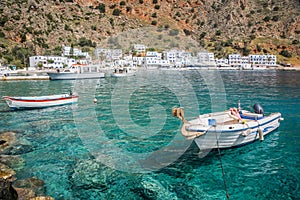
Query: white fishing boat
[(228, 129), (77, 71), (30, 102), (121, 72)]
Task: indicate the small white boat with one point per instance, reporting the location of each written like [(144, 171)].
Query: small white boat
[(77, 71), (121, 72), (31, 102), (228, 129)]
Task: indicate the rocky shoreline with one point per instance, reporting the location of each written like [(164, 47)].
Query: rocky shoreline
[(10, 187)]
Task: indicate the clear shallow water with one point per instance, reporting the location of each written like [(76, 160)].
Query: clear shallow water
[(68, 146)]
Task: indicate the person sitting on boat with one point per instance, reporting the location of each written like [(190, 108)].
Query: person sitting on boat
[(235, 113)]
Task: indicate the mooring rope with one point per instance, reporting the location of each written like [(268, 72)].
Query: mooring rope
[(223, 172)]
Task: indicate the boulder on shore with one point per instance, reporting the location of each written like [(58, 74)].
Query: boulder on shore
[(7, 192)]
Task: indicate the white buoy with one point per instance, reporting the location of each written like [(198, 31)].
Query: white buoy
[(95, 100), (261, 134)]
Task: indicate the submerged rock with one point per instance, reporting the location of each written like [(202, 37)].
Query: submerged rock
[(32, 183), (154, 189), (6, 140), (12, 161), (7, 192), (6, 173), (25, 193), (42, 198)]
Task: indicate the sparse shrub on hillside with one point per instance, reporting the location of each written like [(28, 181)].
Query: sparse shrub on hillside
[(154, 15), (276, 8), (258, 48), (122, 3), (111, 21), (141, 1), (167, 26), (246, 51), (178, 14), (112, 6), (218, 47), (128, 8), (283, 35), (295, 42), (275, 18), (285, 53), (187, 32), (101, 7), (116, 12), (85, 42), (2, 35), (157, 7), (195, 16), (154, 1), (266, 19), (94, 28), (3, 20), (252, 37), (202, 35), (67, 28), (228, 43), (29, 29), (154, 22), (16, 17), (218, 32)]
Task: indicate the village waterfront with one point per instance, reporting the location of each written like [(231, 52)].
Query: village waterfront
[(68, 147)]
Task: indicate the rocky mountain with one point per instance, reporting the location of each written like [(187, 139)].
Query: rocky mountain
[(29, 27)]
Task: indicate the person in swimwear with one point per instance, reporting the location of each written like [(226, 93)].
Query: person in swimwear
[(235, 113)]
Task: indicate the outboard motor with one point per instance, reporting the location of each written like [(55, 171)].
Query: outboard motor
[(258, 109)]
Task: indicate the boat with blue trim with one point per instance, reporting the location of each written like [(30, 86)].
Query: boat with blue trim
[(228, 129), (31, 102)]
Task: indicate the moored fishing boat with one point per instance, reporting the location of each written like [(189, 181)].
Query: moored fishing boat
[(228, 129), (121, 72), (30, 102), (77, 71)]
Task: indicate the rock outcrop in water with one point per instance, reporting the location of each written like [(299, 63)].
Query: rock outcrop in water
[(7, 192), (31, 187)]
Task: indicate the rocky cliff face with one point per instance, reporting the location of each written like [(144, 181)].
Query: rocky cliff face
[(220, 26)]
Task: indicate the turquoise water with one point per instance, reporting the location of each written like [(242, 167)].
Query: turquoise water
[(128, 146)]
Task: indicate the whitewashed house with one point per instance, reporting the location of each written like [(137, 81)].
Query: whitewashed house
[(140, 49), (108, 54), (262, 60), (236, 60), (206, 58), (222, 62), (50, 62), (170, 56), (138, 60), (68, 51), (153, 59)]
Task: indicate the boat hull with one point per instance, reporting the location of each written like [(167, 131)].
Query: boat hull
[(73, 76), (228, 129), (122, 74), (39, 102), (225, 136)]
